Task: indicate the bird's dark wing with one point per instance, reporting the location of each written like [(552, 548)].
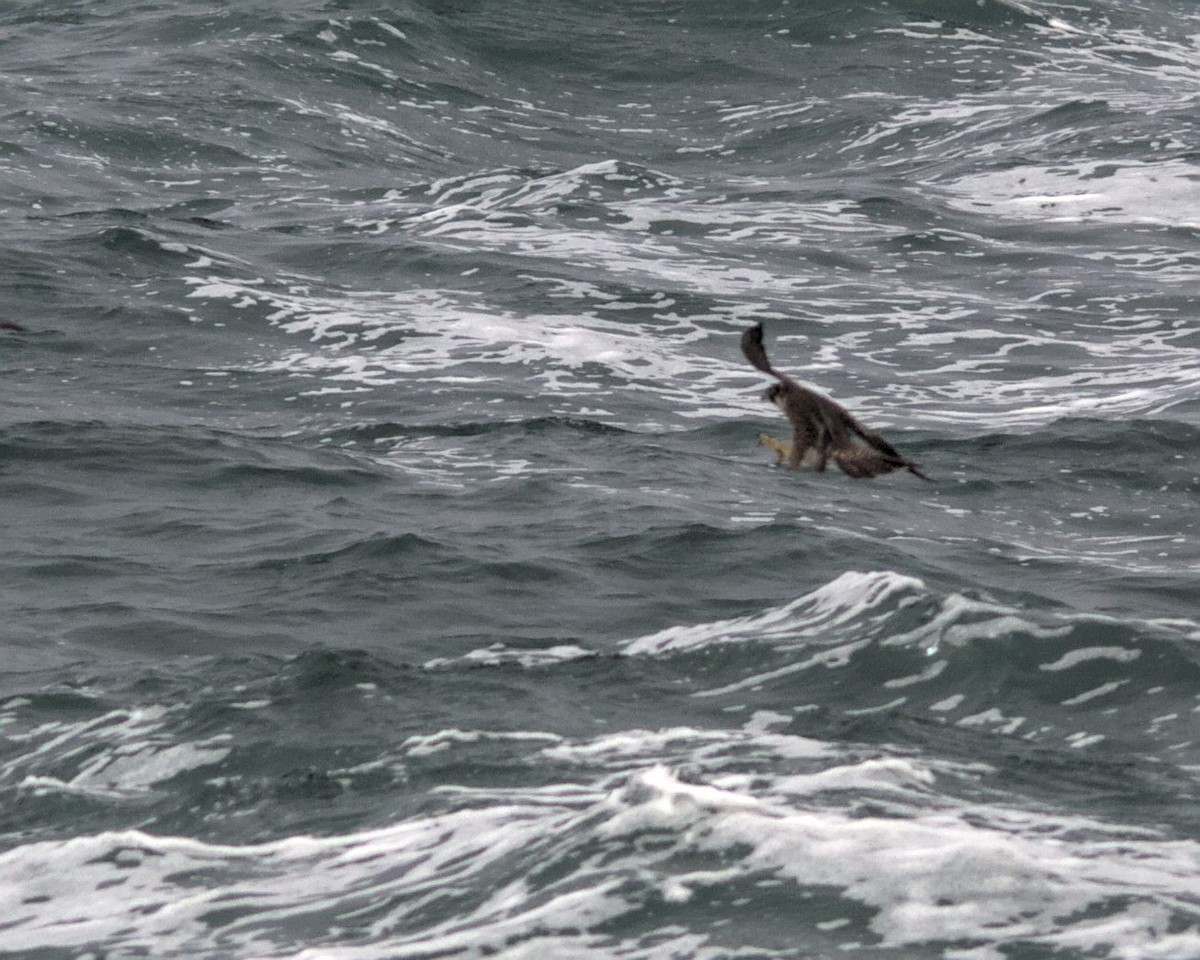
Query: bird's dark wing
[(873, 439), (857, 461), (873, 457)]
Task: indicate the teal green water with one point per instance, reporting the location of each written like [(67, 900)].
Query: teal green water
[(390, 568)]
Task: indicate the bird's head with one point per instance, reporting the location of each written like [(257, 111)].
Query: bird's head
[(774, 394)]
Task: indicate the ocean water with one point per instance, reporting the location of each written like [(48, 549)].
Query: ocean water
[(389, 567)]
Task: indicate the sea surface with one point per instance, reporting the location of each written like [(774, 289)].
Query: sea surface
[(389, 568)]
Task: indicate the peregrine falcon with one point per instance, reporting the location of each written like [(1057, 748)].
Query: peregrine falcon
[(822, 429)]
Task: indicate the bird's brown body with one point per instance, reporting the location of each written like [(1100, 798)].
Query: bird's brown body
[(822, 429)]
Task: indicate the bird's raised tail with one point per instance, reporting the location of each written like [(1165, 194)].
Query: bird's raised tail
[(756, 353)]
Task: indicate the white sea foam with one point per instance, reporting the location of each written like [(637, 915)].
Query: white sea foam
[(846, 616), (848, 623), (500, 653), (964, 877), (422, 745), (844, 599), (1074, 658), (460, 341), (639, 748), (122, 754), (982, 877), (1165, 192), (54, 894), (926, 351)]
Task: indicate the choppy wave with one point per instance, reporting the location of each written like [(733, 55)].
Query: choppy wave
[(942, 831), (885, 850), (552, 871), (661, 321)]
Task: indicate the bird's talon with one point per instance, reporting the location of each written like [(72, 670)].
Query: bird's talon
[(781, 449)]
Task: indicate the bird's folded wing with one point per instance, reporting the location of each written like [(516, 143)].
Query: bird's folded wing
[(859, 461)]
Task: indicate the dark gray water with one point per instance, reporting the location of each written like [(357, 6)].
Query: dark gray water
[(389, 568)]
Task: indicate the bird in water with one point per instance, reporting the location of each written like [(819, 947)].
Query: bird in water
[(822, 429)]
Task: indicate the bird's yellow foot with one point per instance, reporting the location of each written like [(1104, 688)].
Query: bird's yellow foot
[(782, 450)]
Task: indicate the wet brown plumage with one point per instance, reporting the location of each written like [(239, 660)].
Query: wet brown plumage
[(822, 429)]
